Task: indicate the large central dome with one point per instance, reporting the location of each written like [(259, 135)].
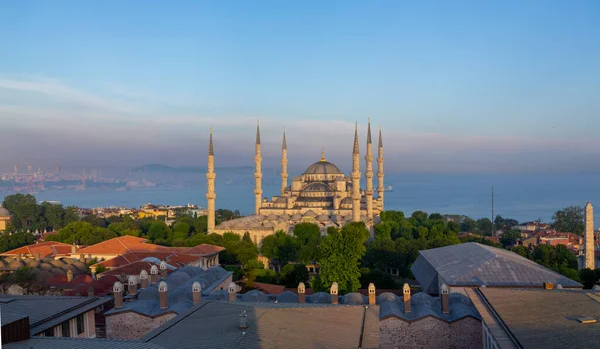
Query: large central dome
[(322, 167)]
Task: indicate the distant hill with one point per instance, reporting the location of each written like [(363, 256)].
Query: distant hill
[(154, 168)]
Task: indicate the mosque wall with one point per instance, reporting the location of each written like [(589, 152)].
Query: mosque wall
[(132, 326)]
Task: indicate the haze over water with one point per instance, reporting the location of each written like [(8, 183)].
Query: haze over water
[(523, 197)]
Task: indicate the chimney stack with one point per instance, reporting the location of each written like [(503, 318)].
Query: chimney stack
[(74, 249), (163, 270), (406, 292), (132, 285), (153, 275), (18, 256), (445, 300), (143, 279), (243, 320), (196, 292), (93, 271), (301, 293), (163, 295), (82, 258), (118, 293), (91, 291), (372, 296), (232, 293), (37, 257), (333, 291), (69, 275)]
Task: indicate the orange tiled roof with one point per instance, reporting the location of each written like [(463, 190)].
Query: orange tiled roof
[(202, 250), (134, 268), (269, 288), (45, 249), (119, 245)]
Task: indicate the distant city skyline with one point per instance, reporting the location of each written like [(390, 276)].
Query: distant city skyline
[(457, 86)]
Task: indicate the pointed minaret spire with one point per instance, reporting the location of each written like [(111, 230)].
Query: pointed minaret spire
[(257, 132), (355, 178), (284, 162), (210, 186), (369, 175), (211, 150), (257, 172), (355, 150), (380, 187)]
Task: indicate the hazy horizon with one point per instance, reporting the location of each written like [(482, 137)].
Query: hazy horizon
[(459, 87)]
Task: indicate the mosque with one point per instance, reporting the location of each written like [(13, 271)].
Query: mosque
[(322, 194)]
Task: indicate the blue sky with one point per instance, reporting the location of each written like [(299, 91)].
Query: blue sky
[(458, 86)]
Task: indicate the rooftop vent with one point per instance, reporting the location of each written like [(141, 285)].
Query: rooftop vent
[(587, 320)]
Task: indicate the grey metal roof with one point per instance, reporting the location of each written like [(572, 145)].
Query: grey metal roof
[(424, 305), (10, 317), (179, 284), (48, 311), (215, 324), (473, 264), (547, 319), (77, 343)]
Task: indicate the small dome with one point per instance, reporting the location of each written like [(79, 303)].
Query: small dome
[(387, 297), (310, 213), (284, 217), (322, 167), (346, 201), (16, 265), (259, 217), (297, 179), (255, 296), (287, 297), (353, 298), (297, 217), (4, 212), (281, 200), (323, 218), (272, 217), (321, 297)]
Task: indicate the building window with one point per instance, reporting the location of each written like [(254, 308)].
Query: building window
[(65, 329), (49, 332), (80, 323)]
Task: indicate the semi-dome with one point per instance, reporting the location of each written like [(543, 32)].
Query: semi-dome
[(4, 212), (317, 187), (322, 167)]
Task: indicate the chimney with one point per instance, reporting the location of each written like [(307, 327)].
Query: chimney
[(445, 300), (93, 271), (243, 320), (333, 291), (73, 249), (548, 285), (82, 258), (372, 296), (143, 279), (118, 293), (196, 292), (18, 256), (37, 257), (163, 270), (406, 292), (232, 294), (91, 291), (163, 295), (153, 275), (301, 293), (132, 285), (69, 275)]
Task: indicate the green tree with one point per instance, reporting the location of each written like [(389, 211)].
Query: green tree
[(24, 210), (569, 219), (181, 230), (82, 233), (484, 226), (293, 274), (588, 278), (521, 251), (308, 237), (341, 253), (510, 237)]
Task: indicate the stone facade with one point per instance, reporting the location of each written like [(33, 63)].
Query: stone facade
[(430, 332), (589, 237), (132, 325)]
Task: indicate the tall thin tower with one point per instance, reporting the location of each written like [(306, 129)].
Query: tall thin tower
[(355, 178), (380, 187), (369, 173), (589, 237), (257, 172), (210, 186), (16, 171), (284, 163)]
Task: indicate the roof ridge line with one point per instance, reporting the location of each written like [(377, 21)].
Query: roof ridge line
[(148, 337), (66, 311), (256, 321)]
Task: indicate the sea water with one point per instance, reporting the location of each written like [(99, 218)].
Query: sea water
[(524, 197)]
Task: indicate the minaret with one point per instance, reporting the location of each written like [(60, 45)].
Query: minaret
[(589, 237), (355, 178), (210, 188), (380, 187), (257, 172), (284, 162), (369, 173)]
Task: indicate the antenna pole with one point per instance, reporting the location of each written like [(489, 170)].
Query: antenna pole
[(493, 224)]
